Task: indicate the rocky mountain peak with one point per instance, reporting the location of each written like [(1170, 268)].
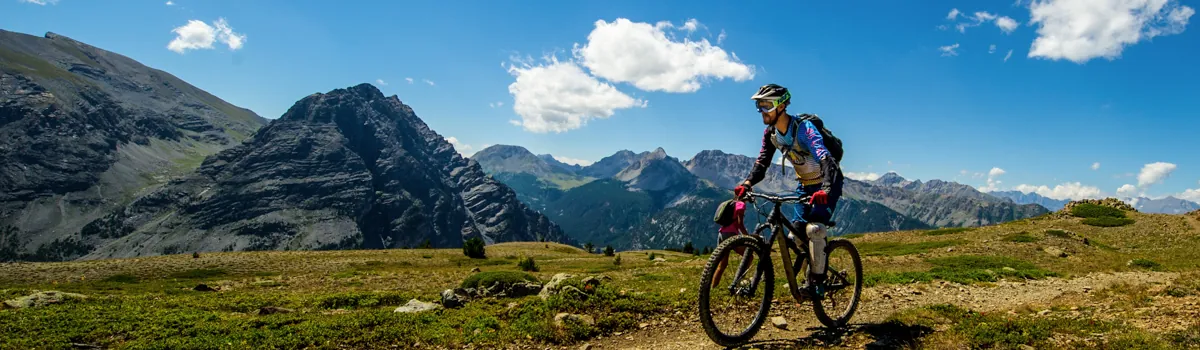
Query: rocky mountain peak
[(891, 179)]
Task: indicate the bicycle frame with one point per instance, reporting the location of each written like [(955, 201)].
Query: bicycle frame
[(776, 221)]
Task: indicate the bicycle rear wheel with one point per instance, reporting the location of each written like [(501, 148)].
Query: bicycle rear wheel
[(733, 311), (843, 284)]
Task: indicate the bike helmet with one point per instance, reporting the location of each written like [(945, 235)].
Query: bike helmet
[(770, 96)]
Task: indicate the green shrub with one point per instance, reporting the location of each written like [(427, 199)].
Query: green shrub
[(122, 278), (588, 247), (1088, 210), (617, 260), (487, 278), (199, 273), (608, 251), (526, 263), (1058, 233), (687, 248), (1145, 264), (652, 256), (474, 249), (1107, 222)]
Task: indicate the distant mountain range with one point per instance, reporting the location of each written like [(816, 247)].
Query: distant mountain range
[(651, 200), (1166, 205)]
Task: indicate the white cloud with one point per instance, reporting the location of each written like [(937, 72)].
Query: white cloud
[(495, 104), (169, 3), (992, 49), (950, 50), (1067, 190), (1096, 166), (691, 25), (645, 56), (559, 96), (1191, 194), (992, 183), (380, 82), (409, 80), (1006, 24), (1154, 173), (1080, 30), (862, 176), (1127, 190), (40, 2), (964, 172), (1007, 55), (427, 81), (953, 14), (721, 37), (462, 148), (573, 161), (196, 35)]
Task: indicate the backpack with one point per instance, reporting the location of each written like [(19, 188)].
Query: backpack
[(724, 215), (833, 143)]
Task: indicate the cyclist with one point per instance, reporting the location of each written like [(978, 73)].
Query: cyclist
[(737, 226), (817, 172)]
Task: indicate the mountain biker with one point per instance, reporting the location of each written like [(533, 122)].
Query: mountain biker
[(737, 226), (817, 171)]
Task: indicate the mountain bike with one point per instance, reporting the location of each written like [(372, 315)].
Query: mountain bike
[(841, 280)]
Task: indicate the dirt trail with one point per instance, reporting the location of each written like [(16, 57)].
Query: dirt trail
[(877, 304)]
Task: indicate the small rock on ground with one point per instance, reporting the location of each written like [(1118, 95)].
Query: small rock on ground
[(563, 317), (203, 288), (779, 322), (415, 305), (40, 299)]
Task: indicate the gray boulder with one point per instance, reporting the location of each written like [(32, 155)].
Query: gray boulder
[(415, 305)]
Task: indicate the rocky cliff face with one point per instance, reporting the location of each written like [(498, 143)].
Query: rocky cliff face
[(1166, 205), (1031, 198), (938, 209), (82, 130), (346, 169)]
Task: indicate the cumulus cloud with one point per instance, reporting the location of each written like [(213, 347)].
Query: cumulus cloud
[(1127, 190), (573, 161), (1191, 194), (462, 148), (380, 82), (559, 96), (949, 50), (1096, 166), (409, 80), (1065, 191), (170, 3), (1007, 55), (1081, 30), (862, 176), (993, 184), (1006, 24), (992, 49), (1154, 173), (427, 81), (647, 56), (197, 35), (495, 104), (721, 37), (40, 2)]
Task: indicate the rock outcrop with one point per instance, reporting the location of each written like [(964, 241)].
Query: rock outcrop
[(1106, 202), (83, 130), (346, 169)]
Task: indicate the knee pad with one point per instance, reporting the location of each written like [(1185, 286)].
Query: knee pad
[(816, 240), (816, 231)]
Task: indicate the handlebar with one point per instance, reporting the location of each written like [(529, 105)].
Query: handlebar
[(778, 199)]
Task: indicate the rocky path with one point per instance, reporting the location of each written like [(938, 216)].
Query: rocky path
[(877, 304)]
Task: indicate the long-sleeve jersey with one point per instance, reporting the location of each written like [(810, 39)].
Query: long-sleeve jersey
[(805, 149)]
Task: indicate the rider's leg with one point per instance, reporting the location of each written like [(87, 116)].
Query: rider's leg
[(818, 217), (721, 236)]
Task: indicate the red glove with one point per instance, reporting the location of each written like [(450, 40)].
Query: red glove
[(819, 198), (740, 191)]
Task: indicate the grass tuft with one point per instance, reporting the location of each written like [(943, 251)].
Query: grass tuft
[(947, 231), (1021, 237), (897, 249), (488, 278), (199, 273)]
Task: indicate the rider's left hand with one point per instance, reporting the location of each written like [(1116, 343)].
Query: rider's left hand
[(819, 198)]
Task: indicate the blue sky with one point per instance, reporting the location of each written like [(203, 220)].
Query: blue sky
[(909, 86)]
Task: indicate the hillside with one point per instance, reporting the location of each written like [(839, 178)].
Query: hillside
[(84, 130), (1048, 282), (1031, 198), (350, 168)]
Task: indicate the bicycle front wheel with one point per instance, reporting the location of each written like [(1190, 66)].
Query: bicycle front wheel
[(843, 284), (732, 308)]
